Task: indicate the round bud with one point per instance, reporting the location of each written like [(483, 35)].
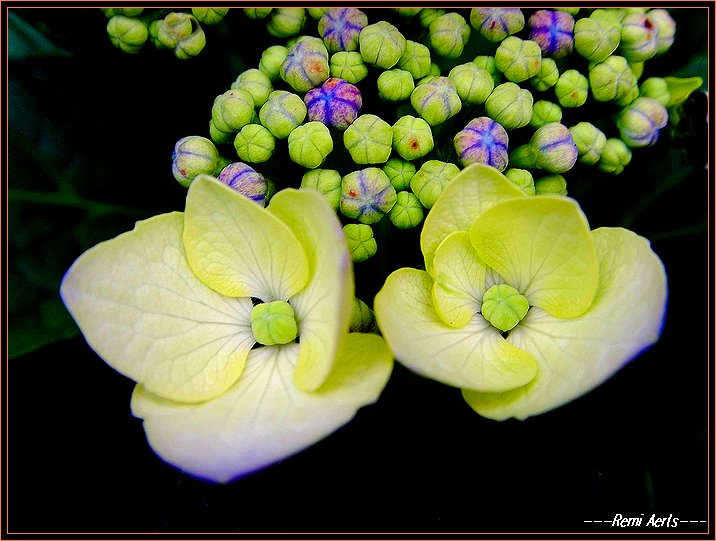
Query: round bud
[(271, 60), (412, 137), (273, 323), (615, 156), (369, 139), (436, 100), (612, 79), (519, 59), (571, 89), (245, 180), (335, 103), (638, 38), (219, 137), (348, 66), (256, 83), (629, 97), (399, 172), (504, 307), (317, 13), (430, 180), (665, 29), (472, 84), (555, 148), (547, 76), (553, 31), (209, 15), (551, 185), (428, 15), (595, 39), (381, 44), (193, 155), (367, 195), (127, 12), (232, 110), (182, 32), (340, 28), (254, 143), (285, 22), (488, 64), (127, 34), (306, 64), (522, 178), (282, 112), (482, 141), (495, 24), (361, 243), (657, 89), (415, 59), (510, 105), (407, 211), (448, 35), (639, 123), (544, 112), (257, 13), (590, 142), (310, 144), (395, 85), (327, 182)]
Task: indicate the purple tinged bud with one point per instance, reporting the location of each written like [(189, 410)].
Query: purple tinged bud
[(553, 31), (482, 141), (495, 24), (555, 149), (306, 64), (639, 123), (336, 103), (245, 180), (340, 28)]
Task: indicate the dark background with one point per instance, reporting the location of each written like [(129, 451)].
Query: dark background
[(91, 132)]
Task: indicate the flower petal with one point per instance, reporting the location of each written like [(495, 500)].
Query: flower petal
[(263, 418), (475, 356), (144, 312), (472, 191), (576, 355), (324, 307), (542, 246), (237, 247)]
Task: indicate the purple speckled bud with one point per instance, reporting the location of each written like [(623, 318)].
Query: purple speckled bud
[(245, 180), (335, 103), (495, 24), (553, 31), (482, 141), (306, 64), (340, 28)]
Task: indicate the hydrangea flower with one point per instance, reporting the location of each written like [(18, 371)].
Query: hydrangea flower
[(180, 303), (521, 305)]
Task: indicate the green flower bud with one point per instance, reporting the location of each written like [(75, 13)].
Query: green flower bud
[(395, 85), (510, 105), (430, 180), (127, 12), (407, 12), (271, 60), (369, 139), (415, 59), (182, 32), (495, 24), (436, 100), (548, 75), (361, 243), (412, 137), (254, 143), (551, 148), (657, 89), (274, 323), (639, 123), (428, 15), (637, 68), (306, 64), (326, 181), (381, 44), (504, 307), (407, 211), (571, 11), (285, 22), (448, 35), (488, 64), (310, 144), (348, 66), (472, 84), (193, 155), (571, 89), (257, 13), (209, 15), (665, 29), (367, 195), (596, 38), (523, 179), (629, 97), (282, 112), (638, 38), (399, 172), (317, 13), (544, 112), (590, 142), (154, 27), (232, 110), (551, 185), (256, 83), (518, 59), (611, 79), (615, 156), (219, 137), (127, 34), (363, 318)]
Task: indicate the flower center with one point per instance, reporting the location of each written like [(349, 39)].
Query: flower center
[(504, 307), (274, 323)]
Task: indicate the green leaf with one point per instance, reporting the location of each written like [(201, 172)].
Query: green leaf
[(681, 89), (24, 41)]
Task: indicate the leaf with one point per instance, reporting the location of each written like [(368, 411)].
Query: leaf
[(24, 41), (681, 89)]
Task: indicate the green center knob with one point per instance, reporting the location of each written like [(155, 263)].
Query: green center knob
[(274, 323), (504, 307)]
